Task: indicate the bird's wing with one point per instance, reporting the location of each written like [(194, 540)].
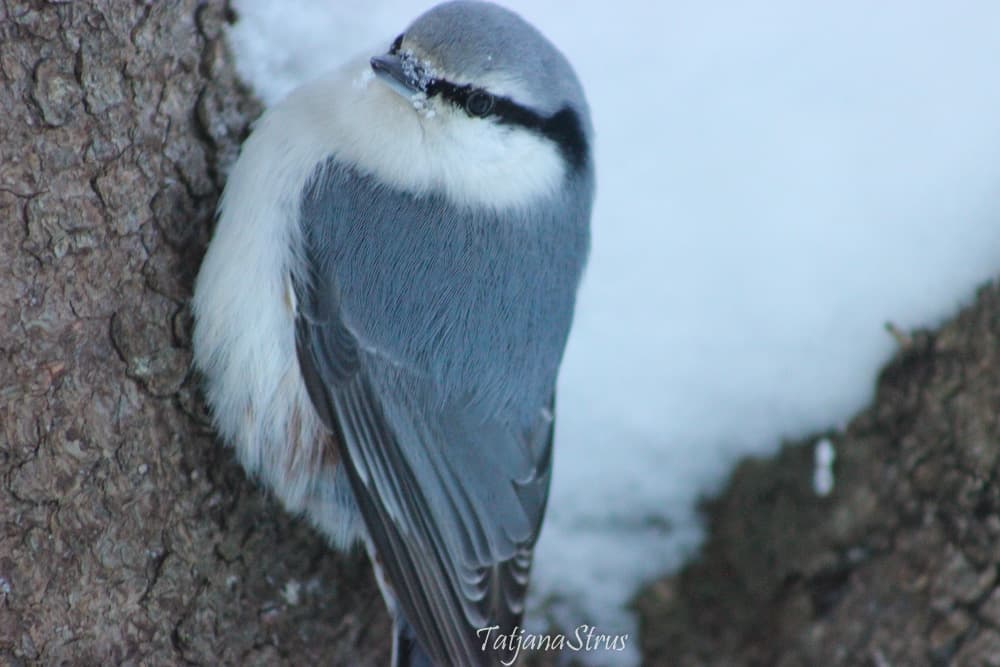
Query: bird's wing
[(452, 499)]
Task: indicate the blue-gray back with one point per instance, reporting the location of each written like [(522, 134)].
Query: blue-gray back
[(429, 337), (481, 300)]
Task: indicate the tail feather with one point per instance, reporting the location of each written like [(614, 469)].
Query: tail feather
[(406, 650)]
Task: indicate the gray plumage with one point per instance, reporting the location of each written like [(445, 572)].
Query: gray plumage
[(473, 40), (479, 301), (435, 339), (430, 321)]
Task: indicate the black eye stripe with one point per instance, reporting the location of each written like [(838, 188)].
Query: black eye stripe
[(397, 44), (563, 127), (449, 91), (475, 101), (479, 103)]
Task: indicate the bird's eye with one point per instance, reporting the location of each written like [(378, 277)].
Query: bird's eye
[(396, 45), (479, 103)]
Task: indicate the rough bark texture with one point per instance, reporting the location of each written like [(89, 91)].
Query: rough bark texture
[(898, 566), (127, 534)]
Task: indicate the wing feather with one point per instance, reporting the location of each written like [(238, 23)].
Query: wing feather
[(452, 499)]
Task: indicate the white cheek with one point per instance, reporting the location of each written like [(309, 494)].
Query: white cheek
[(480, 161), (424, 147)]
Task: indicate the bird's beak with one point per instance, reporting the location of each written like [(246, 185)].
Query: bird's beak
[(402, 74)]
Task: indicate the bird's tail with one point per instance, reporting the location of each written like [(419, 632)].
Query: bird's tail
[(406, 650)]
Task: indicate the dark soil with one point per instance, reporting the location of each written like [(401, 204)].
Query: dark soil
[(897, 566)]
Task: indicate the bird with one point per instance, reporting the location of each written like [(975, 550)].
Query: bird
[(382, 310)]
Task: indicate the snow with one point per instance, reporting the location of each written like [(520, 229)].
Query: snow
[(777, 180), (824, 456)]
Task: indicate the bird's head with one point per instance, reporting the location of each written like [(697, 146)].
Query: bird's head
[(479, 71)]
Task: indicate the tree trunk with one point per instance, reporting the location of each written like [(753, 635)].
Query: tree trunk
[(127, 533), (897, 566)]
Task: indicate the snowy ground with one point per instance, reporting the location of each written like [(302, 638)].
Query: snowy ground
[(777, 180)]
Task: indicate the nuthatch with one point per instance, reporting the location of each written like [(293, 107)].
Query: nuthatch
[(382, 311)]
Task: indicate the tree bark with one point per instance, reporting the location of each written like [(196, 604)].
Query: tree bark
[(897, 566), (127, 533)]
